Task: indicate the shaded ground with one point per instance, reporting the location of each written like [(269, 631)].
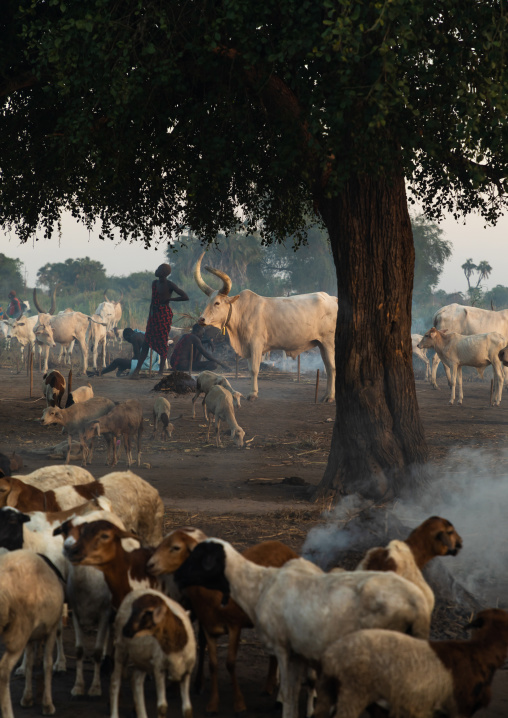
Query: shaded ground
[(237, 494)]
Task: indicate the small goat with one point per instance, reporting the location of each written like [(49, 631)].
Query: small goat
[(205, 381), (53, 388), (161, 413), (154, 635), (219, 402), (76, 418), (418, 678), (31, 602), (125, 419)]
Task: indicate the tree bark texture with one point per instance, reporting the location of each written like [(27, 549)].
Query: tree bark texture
[(378, 444)]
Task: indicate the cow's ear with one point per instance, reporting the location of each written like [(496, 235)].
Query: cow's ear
[(232, 300)]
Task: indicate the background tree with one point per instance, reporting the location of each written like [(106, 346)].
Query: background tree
[(431, 253), (469, 268), (10, 278), (157, 117), (73, 274)]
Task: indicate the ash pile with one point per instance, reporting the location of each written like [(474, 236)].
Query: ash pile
[(177, 382)]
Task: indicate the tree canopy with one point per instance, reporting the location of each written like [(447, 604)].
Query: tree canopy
[(10, 276), (431, 252), (152, 117)]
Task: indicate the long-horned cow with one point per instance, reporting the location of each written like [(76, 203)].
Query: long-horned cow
[(257, 325), (467, 320), (110, 312)]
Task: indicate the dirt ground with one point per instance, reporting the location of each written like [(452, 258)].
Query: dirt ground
[(242, 495)]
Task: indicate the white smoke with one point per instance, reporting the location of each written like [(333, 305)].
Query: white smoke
[(470, 489), (310, 361)]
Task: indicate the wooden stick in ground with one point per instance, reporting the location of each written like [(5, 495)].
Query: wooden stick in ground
[(236, 369), (150, 367), (191, 357), (31, 362), (317, 387), (298, 369)]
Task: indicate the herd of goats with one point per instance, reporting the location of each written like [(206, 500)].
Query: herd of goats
[(94, 549)]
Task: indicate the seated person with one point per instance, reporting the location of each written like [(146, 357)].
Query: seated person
[(121, 365), (180, 358)]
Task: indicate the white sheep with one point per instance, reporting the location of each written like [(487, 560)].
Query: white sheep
[(154, 635), (299, 611), (161, 413), (219, 402), (205, 381), (79, 395), (418, 678), (49, 477), (31, 602)]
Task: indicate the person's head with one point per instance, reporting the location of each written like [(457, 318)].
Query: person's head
[(127, 334), (163, 271), (12, 294), (198, 330)]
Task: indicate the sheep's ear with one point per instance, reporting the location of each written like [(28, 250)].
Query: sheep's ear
[(63, 529), (159, 613), (13, 495), (478, 622)]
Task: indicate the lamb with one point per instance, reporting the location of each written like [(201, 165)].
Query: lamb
[(50, 477), (205, 381), (215, 618), (31, 602), (76, 418), (418, 678), (53, 388), (477, 350), (134, 500), (296, 630), (125, 419), (434, 537), (153, 634), (79, 395), (219, 402), (161, 413)]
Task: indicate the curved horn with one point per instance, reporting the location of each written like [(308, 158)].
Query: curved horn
[(226, 280), (199, 279), (41, 311), (53, 301), (105, 297)]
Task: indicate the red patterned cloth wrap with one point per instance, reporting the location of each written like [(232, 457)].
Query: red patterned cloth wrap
[(158, 325)]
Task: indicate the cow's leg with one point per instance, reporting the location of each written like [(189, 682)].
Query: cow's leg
[(254, 361), (103, 344), (453, 382), (435, 364), (459, 378), (497, 392), (84, 353), (46, 358), (328, 356), (194, 404)]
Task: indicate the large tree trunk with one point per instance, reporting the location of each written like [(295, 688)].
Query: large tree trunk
[(378, 445)]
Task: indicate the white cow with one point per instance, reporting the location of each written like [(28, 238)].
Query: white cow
[(22, 329), (98, 336), (458, 350), (467, 320), (110, 312), (63, 329), (257, 324), (420, 353)]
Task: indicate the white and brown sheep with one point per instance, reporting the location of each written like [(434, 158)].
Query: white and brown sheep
[(53, 387), (161, 414), (205, 381), (219, 404)]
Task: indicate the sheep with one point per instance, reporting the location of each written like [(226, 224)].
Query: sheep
[(434, 537), (76, 418), (204, 383), (51, 477), (154, 635), (31, 602), (214, 618), (286, 605), (79, 395), (219, 402), (53, 387), (134, 500), (418, 678), (162, 412), (125, 419)]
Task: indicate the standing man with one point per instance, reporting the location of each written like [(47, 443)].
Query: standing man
[(14, 310), (180, 358), (160, 317)]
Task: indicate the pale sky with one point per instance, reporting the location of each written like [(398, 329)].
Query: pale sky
[(471, 239)]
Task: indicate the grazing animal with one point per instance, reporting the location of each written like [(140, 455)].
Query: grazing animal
[(215, 618), (161, 413), (477, 350), (53, 388), (50, 477), (298, 610), (31, 602), (76, 418), (257, 324), (418, 678), (123, 420), (154, 635), (219, 404), (205, 381)]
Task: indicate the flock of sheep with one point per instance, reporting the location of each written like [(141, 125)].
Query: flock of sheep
[(354, 638)]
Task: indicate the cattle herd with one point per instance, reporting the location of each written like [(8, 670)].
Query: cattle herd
[(95, 549)]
